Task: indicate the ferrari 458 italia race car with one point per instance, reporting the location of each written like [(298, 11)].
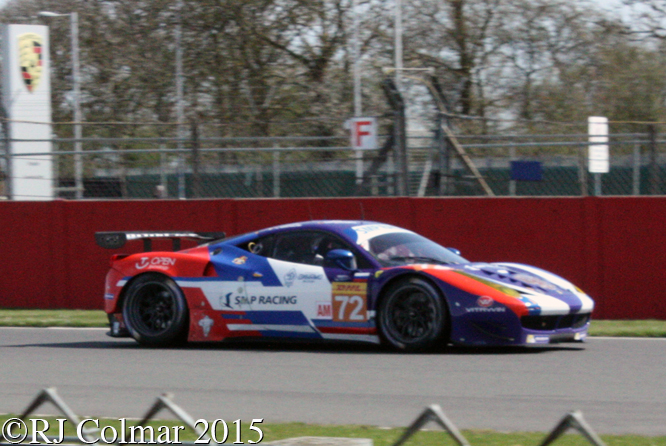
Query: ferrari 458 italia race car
[(336, 280)]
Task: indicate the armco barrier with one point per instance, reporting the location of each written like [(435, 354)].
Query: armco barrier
[(612, 247)]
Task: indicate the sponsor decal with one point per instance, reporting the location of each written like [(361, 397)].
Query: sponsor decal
[(324, 310), (486, 310), (485, 301), (265, 300), (240, 260), (156, 262), (290, 277), (534, 281), (109, 296), (206, 324), (378, 273), (349, 287), (30, 59), (226, 301), (350, 301), (309, 278), (342, 278), (485, 305)]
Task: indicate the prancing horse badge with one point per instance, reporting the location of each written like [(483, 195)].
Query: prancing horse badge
[(30, 58)]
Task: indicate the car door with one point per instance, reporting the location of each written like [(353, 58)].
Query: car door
[(285, 308)]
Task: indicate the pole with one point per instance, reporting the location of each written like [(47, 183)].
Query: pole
[(76, 74), (653, 167), (357, 64), (180, 114), (357, 90), (636, 171), (398, 42)]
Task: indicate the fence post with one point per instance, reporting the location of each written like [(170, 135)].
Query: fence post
[(636, 170), (443, 146), (276, 173), (582, 168), (653, 168), (7, 155), (164, 190), (512, 182), (196, 180), (399, 135)]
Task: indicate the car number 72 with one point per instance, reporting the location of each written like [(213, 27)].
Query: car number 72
[(348, 308)]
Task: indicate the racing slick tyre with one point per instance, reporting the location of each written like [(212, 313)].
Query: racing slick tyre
[(155, 311), (412, 316)]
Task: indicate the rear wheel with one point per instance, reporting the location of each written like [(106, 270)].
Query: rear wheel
[(413, 316), (155, 311)]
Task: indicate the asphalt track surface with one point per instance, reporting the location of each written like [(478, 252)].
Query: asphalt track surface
[(618, 384)]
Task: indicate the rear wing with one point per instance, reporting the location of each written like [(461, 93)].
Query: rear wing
[(115, 240)]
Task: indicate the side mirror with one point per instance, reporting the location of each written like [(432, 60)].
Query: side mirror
[(341, 258), (454, 250)]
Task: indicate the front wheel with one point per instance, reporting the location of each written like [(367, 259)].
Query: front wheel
[(412, 316), (155, 311)]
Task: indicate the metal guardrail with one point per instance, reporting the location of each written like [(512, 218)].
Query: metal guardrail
[(573, 420)]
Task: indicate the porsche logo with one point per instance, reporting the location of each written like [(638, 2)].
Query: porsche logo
[(30, 59)]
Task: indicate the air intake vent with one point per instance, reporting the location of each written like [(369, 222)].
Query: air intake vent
[(554, 322)]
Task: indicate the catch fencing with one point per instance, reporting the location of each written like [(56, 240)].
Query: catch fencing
[(303, 166)]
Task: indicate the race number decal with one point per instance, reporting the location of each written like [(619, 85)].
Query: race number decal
[(350, 302)]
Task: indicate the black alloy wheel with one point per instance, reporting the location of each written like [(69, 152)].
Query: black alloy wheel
[(155, 310), (412, 316)]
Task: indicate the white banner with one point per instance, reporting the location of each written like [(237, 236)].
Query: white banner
[(598, 156), (26, 88)]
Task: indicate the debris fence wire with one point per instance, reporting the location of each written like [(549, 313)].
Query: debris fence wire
[(252, 167)]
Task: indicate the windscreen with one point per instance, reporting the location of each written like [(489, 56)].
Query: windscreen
[(404, 248)]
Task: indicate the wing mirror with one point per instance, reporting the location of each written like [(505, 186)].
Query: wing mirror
[(340, 258)]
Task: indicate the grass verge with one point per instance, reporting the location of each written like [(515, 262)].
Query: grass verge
[(379, 436), (10, 317)]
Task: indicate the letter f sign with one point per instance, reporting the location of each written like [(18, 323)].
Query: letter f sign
[(364, 133)]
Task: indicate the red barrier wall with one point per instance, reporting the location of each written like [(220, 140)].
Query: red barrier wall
[(612, 247)]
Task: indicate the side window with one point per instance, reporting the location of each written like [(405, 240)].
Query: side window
[(297, 247), (309, 247)]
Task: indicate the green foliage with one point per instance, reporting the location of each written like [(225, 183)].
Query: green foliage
[(284, 67)]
